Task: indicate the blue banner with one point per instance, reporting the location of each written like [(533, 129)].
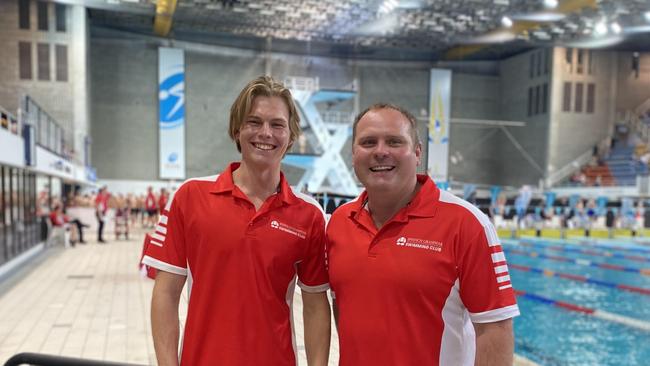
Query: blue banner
[(171, 113)]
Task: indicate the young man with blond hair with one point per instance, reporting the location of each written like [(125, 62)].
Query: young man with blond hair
[(240, 239)]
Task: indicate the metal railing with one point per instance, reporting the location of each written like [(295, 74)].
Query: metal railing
[(302, 83), (572, 167), (39, 359)]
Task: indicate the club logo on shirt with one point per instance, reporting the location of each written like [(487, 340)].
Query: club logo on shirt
[(288, 229), (433, 245)]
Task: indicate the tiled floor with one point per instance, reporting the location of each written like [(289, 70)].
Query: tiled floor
[(91, 302)]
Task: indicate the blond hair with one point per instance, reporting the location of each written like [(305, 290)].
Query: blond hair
[(262, 86)]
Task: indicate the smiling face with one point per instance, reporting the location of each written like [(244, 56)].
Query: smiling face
[(264, 135), (384, 155)]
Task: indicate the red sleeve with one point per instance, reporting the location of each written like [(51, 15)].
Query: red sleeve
[(166, 248), (485, 287), (312, 272)]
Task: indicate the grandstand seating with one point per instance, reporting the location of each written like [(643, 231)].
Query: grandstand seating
[(623, 166)]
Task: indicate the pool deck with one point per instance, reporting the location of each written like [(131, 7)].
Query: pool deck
[(91, 302)]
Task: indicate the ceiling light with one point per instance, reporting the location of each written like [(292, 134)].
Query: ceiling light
[(506, 22), (601, 28), (647, 15), (550, 4), (616, 28)]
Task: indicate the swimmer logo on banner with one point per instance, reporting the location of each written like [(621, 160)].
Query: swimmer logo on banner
[(439, 115), (171, 113)]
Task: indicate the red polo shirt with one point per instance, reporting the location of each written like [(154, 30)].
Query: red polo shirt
[(408, 293), (241, 267)]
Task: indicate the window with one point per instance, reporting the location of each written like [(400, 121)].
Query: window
[(23, 14), (591, 97), (25, 60), (547, 60), (43, 54), (539, 63), (590, 62), (530, 101), (538, 96), (41, 9), (568, 57), (61, 53), (3, 218), (59, 11), (531, 66), (566, 103), (579, 92), (581, 61), (544, 98)]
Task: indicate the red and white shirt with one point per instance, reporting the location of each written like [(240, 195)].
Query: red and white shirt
[(407, 294), (241, 266), (150, 202)]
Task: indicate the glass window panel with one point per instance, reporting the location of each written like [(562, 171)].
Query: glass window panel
[(566, 102), (43, 54), (591, 97), (61, 53), (579, 96), (25, 60), (60, 12), (41, 9), (23, 14)]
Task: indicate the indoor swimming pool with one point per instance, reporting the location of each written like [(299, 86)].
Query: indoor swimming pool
[(582, 302)]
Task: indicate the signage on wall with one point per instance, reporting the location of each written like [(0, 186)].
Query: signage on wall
[(52, 164), (439, 114), (171, 113)]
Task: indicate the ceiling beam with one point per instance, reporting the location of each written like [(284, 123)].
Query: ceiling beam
[(519, 27), (164, 13)]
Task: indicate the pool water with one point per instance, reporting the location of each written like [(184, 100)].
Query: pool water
[(551, 335)]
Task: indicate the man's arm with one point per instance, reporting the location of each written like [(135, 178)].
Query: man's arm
[(164, 316), (316, 318), (494, 343)]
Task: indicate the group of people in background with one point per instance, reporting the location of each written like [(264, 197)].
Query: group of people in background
[(570, 213), (126, 210)]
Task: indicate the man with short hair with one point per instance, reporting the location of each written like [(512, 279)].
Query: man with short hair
[(241, 239), (418, 274)]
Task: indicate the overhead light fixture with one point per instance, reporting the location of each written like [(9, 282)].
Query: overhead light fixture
[(616, 28), (601, 28), (550, 4), (506, 22), (647, 15)]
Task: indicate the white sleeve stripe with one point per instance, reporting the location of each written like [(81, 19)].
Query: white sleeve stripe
[(163, 219), (491, 316), (313, 289), (307, 198), (158, 236), (502, 279), (161, 229), (501, 269), (498, 257), (164, 266), (155, 243), (505, 287), (490, 231)]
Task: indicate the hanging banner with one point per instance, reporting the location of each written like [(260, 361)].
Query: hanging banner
[(439, 115), (171, 113)]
